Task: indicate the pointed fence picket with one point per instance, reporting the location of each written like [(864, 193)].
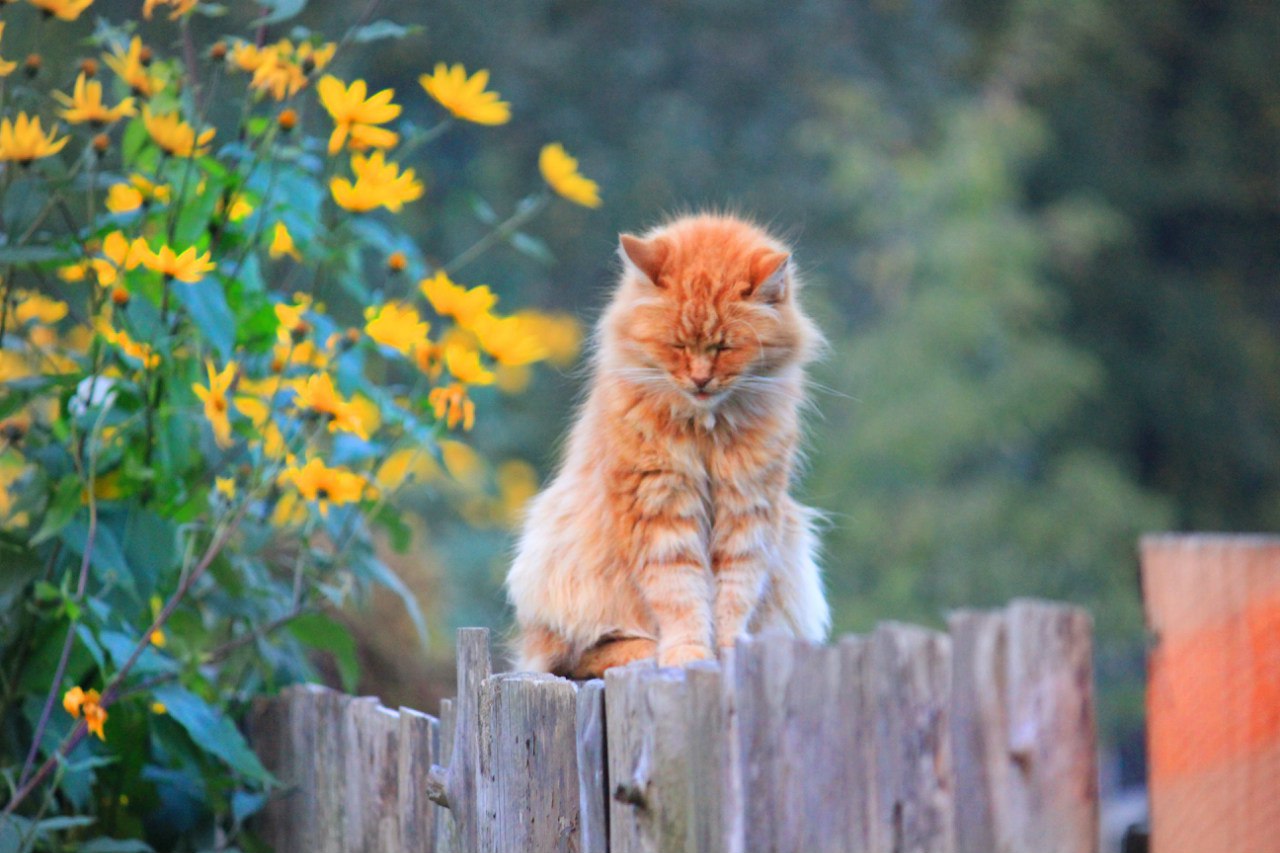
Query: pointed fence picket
[(979, 740)]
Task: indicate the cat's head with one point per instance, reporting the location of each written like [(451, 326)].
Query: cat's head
[(707, 309)]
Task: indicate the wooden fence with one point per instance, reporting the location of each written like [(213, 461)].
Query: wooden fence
[(978, 740)]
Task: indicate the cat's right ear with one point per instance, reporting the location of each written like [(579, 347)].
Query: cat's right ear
[(644, 256)]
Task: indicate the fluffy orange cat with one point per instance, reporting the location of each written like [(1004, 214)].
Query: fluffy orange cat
[(668, 530)]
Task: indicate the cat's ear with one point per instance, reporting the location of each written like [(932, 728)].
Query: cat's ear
[(770, 276), (645, 256)]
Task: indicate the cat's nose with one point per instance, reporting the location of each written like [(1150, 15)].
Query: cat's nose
[(700, 381)]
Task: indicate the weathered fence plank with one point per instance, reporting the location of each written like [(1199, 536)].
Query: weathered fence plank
[(910, 679), (527, 780), (593, 777), (648, 755), (805, 764), (446, 827), (1213, 700), (474, 666), (1023, 729), (417, 814), (709, 768), (371, 757)]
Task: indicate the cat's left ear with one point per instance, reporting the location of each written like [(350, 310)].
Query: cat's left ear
[(645, 256), (770, 276)]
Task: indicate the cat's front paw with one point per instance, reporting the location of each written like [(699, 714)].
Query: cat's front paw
[(683, 654)]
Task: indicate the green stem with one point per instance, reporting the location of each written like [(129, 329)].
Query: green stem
[(500, 233)]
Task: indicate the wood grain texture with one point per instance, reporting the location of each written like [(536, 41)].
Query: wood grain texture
[(593, 772), (474, 666), (446, 827), (804, 727), (1023, 729), (371, 755), (527, 779), (910, 679), (417, 752), (648, 759), (1213, 697)]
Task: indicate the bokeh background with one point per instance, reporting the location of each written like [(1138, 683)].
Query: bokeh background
[(1042, 236)]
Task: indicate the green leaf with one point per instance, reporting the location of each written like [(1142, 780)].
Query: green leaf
[(207, 305), (115, 845), (213, 732), (383, 29), (280, 10), (56, 824), (105, 557), (86, 637), (379, 573), (120, 646), (320, 632), (36, 254), (533, 247), (63, 506)]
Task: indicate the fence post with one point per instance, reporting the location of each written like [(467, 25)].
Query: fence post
[(371, 789), (1213, 697), (527, 780), (417, 740), (1023, 728), (593, 777), (648, 755), (804, 746), (910, 680)]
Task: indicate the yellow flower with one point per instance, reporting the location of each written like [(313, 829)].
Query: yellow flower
[(396, 326), (317, 395), (123, 198), (464, 364), (74, 698), (95, 717), (512, 341), (158, 639), (37, 308), (378, 184), (214, 397), (226, 486), (240, 209), (465, 97), (560, 335), (188, 266), (174, 135), (290, 316), (466, 306), (403, 465), (356, 115), (66, 10), (121, 340), (159, 708), (121, 255), (452, 405), (561, 172), (13, 366), (85, 104), (316, 481), (129, 67), (180, 7), (22, 140), (6, 67), (282, 243)]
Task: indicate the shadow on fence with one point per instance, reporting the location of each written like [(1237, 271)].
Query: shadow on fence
[(979, 740)]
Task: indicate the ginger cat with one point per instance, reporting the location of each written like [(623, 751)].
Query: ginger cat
[(668, 530)]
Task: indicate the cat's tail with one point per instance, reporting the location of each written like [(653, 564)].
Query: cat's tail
[(798, 580)]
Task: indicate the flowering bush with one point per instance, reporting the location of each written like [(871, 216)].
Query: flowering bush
[(220, 362)]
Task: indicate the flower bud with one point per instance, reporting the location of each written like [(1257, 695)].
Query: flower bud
[(101, 142), (288, 119), (145, 56), (396, 262), (89, 67), (119, 296), (218, 51), (32, 64)]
